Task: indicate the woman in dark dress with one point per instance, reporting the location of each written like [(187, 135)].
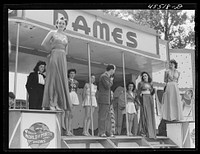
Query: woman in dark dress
[(35, 86), (147, 125)]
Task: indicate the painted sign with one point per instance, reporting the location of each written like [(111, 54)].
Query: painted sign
[(38, 131), (38, 135), (98, 27)]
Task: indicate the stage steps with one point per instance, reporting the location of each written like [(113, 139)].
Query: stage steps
[(161, 142), (119, 141), (123, 141), (86, 142)]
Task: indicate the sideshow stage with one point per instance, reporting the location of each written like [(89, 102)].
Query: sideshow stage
[(38, 129)]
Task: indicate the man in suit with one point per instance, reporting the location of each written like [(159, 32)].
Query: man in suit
[(35, 86), (104, 94)]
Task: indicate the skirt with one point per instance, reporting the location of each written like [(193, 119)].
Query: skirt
[(86, 101), (74, 98), (130, 108), (56, 84), (171, 103)]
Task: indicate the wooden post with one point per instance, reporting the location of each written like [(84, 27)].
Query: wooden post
[(124, 78), (89, 68), (16, 63)]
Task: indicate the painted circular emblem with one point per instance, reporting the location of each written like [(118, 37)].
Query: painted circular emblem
[(38, 135)]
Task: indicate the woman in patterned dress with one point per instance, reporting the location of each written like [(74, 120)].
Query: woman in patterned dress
[(87, 104), (73, 86)]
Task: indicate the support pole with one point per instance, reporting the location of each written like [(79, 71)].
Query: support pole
[(89, 68), (16, 63), (125, 96)]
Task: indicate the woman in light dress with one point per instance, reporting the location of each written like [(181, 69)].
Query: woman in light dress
[(56, 92), (172, 108), (87, 104), (130, 107)]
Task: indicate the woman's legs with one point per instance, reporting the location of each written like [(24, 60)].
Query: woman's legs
[(89, 119), (85, 122), (130, 121), (68, 122)]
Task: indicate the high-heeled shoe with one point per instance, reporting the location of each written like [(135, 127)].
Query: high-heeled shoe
[(69, 134), (52, 108), (86, 134), (58, 109)]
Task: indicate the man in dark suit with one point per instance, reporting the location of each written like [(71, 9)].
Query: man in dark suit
[(104, 94), (35, 86)]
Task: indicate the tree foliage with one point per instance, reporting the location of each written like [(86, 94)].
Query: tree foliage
[(170, 24)]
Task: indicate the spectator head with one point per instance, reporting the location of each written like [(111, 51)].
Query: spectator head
[(11, 99)]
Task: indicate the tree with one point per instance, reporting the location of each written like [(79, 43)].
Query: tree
[(170, 24)]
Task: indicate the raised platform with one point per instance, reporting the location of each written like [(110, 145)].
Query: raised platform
[(132, 142)]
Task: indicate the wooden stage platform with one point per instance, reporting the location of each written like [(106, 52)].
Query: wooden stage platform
[(130, 142)]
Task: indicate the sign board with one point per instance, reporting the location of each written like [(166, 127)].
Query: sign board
[(101, 28), (38, 131)]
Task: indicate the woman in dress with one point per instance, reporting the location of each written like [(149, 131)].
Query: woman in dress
[(56, 92), (147, 125), (131, 109), (172, 108), (73, 86), (87, 104)]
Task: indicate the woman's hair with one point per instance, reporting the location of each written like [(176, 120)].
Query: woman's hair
[(149, 78), (71, 70), (63, 19), (110, 67), (36, 68), (174, 62), (129, 84)]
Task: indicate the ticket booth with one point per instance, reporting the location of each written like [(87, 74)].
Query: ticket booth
[(34, 129)]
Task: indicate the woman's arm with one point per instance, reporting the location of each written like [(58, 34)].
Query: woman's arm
[(139, 89), (67, 46), (152, 90), (46, 41), (166, 77), (178, 75), (84, 91)]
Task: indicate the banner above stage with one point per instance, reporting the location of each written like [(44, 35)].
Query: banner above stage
[(115, 31)]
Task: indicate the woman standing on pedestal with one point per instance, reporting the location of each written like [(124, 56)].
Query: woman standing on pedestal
[(172, 108), (56, 91)]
